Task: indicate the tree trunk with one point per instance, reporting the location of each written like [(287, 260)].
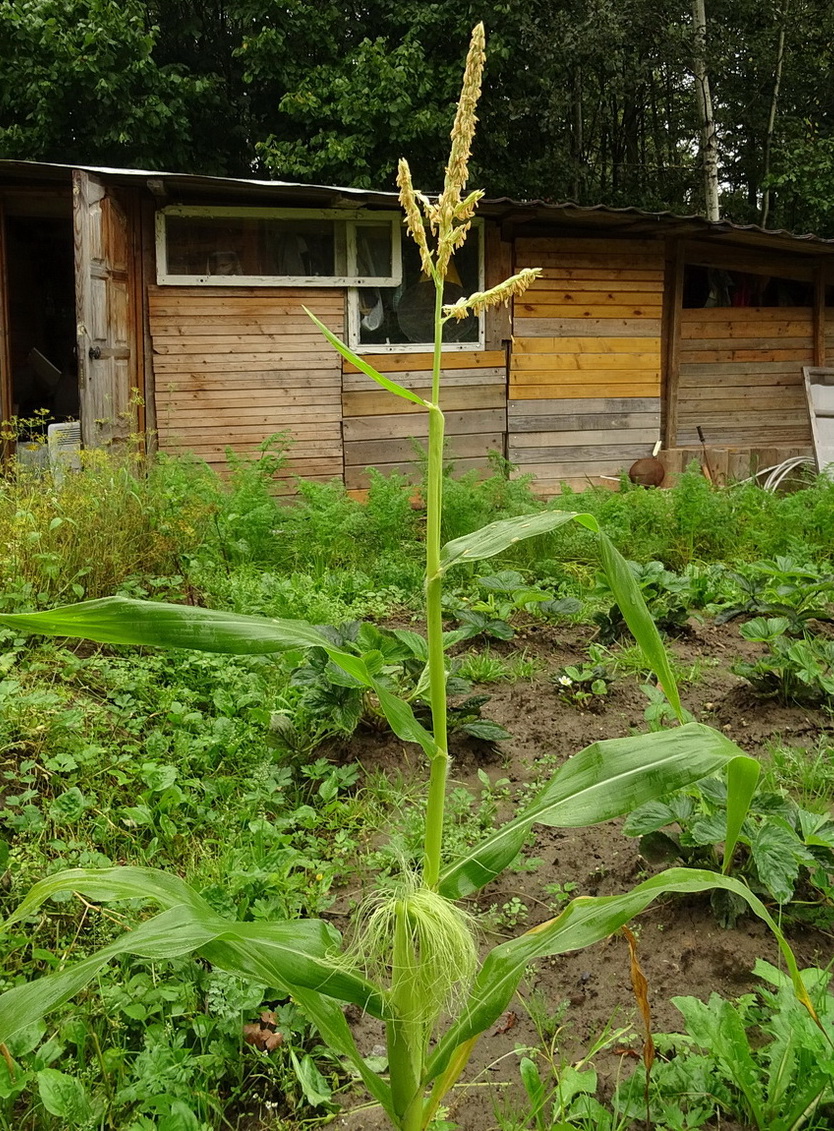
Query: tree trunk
[(771, 122), (703, 98)]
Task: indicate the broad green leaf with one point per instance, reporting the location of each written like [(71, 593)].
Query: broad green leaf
[(602, 781), (157, 624), (298, 953), (65, 1096), (778, 853), (401, 719), (180, 1117), (314, 1086), (361, 364), (584, 921), (497, 536), (641, 625), (122, 620), (742, 779)]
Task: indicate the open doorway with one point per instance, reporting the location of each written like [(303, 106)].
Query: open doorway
[(40, 283)]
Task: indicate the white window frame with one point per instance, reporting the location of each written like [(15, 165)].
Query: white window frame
[(351, 217), (354, 316)]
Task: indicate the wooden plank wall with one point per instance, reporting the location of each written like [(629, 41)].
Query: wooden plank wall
[(234, 365), (584, 395), (741, 375), (380, 429)]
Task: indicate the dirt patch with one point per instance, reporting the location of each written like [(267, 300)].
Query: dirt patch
[(682, 948)]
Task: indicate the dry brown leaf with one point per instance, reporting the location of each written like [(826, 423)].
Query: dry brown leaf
[(508, 1022)]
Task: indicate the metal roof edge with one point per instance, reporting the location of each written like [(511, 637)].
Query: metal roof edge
[(490, 205)]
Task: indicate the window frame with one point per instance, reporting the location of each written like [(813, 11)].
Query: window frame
[(354, 315), (351, 218)]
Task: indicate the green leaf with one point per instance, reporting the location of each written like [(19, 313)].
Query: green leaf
[(649, 818), (317, 1091), (498, 536), (361, 364), (602, 781), (717, 1027), (630, 601), (157, 624), (64, 1096), (122, 620), (298, 953), (328, 1017), (584, 921), (742, 779), (777, 853), (180, 1118), (491, 540)]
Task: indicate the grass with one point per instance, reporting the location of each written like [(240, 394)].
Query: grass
[(114, 755)]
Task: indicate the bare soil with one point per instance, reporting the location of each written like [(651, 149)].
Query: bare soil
[(682, 949)]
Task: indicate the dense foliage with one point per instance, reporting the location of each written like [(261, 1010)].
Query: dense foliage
[(591, 102)]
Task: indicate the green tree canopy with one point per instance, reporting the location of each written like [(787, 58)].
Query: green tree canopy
[(589, 100)]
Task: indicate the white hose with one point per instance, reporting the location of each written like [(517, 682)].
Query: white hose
[(779, 471)]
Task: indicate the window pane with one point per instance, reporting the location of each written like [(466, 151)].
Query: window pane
[(241, 245), (403, 314), (373, 250)]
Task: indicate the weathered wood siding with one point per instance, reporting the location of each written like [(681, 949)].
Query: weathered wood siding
[(740, 375), (584, 395), (384, 431), (234, 365)]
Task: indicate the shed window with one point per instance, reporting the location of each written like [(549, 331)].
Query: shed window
[(277, 247), (403, 315)]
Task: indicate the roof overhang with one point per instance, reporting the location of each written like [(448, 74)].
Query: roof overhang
[(521, 215)]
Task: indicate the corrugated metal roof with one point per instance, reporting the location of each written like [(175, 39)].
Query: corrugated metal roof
[(623, 219)]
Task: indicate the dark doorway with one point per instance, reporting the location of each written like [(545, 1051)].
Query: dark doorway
[(40, 282)]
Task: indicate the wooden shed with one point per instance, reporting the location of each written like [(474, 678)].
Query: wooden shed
[(170, 305)]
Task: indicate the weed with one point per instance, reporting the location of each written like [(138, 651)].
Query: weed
[(760, 1059)]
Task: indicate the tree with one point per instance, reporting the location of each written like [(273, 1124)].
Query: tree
[(78, 82)]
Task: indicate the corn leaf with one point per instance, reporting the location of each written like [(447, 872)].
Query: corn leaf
[(497, 536), (291, 955), (584, 921), (631, 604), (605, 780), (157, 624), (742, 779), (360, 363), (122, 620)]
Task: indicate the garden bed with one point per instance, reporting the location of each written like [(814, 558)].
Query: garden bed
[(682, 948)]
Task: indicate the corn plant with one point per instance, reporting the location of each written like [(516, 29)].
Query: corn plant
[(412, 961)]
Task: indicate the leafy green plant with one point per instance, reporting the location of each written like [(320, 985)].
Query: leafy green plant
[(782, 588), (760, 1059), (793, 671), (397, 658), (581, 684), (667, 597), (507, 594), (412, 961), (780, 845)]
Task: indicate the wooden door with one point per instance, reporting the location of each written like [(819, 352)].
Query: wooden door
[(105, 310)]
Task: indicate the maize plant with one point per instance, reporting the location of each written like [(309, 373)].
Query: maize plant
[(412, 960)]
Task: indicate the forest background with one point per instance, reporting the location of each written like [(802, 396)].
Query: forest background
[(585, 100)]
